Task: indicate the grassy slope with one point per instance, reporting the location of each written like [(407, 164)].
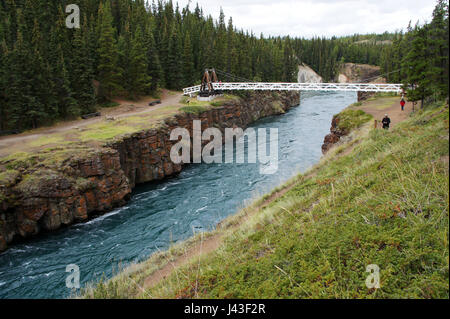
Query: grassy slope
[(385, 201), (349, 120)]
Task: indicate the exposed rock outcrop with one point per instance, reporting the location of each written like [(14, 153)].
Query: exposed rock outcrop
[(334, 136), (308, 75), (357, 73), (46, 197), (362, 96)]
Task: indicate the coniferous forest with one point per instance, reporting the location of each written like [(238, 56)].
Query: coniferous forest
[(418, 58), (131, 48)]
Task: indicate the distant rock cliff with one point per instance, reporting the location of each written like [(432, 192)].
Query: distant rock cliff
[(308, 75), (354, 73), (360, 73), (357, 73)]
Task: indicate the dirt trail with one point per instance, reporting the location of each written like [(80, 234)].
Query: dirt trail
[(392, 109), (210, 244), (204, 247), (14, 143)]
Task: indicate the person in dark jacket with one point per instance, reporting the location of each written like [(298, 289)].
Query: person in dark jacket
[(386, 122)]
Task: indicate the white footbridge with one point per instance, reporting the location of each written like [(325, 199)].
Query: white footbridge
[(348, 87)]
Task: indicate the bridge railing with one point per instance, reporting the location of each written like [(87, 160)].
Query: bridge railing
[(350, 87)]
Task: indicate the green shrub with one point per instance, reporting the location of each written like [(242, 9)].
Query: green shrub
[(193, 109), (109, 104), (351, 119), (217, 103)]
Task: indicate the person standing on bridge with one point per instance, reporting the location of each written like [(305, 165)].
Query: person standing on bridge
[(386, 122), (402, 104)]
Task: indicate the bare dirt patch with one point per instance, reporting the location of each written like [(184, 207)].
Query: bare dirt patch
[(68, 131)]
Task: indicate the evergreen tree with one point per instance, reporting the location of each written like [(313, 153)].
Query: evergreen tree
[(63, 100), (417, 65), (439, 50), (22, 101), (163, 49), (124, 51), (220, 43), (289, 62), (45, 108), (81, 71), (3, 83), (154, 69), (174, 75), (231, 56), (188, 62), (109, 72), (138, 79)]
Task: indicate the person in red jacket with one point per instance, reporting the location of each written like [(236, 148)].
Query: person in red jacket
[(402, 103)]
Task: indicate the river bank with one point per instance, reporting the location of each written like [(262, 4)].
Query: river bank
[(314, 236), (62, 185)]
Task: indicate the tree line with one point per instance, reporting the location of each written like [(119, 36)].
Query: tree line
[(326, 56), (418, 58), (131, 48)]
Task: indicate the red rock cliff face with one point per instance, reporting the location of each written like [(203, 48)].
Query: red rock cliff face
[(48, 199), (334, 136), (44, 199)]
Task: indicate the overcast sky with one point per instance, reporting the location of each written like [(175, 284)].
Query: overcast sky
[(307, 18)]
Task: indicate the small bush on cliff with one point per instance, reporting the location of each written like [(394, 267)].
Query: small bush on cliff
[(193, 109), (83, 184), (277, 107), (8, 177), (217, 103), (19, 160)]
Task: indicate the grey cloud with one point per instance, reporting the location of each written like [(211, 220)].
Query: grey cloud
[(306, 18)]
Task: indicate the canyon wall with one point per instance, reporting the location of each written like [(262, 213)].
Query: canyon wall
[(335, 135), (359, 73), (46, 197), (307, 75)]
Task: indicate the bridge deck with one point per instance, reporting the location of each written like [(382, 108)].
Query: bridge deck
[(351, 87)]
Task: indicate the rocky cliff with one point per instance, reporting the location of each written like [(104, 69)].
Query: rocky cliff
[(342, 124), (357, 73), (44, 196), (335, 135), (308, 75)]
